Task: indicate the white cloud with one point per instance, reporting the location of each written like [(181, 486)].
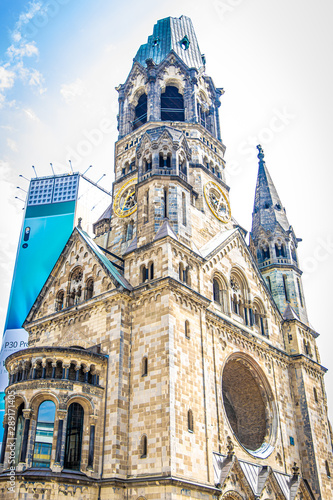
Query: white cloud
[(18, 52), (12, 145), (7, 78), (31, 76), (25, 18), (72, 90), (27, 49), (31, 114)]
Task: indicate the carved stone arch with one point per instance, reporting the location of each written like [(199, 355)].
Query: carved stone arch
[(221, 278), (232, 495), (139, 91), (72, 338), (19, 399), (86, 403), (174, 81), (37, 399), (203, 97), (239, 275)]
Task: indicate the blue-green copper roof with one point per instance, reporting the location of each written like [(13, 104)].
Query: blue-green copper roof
[(101, 256), (175, 34)]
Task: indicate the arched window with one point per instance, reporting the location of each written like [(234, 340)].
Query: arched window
[(307, 348), (48, 369), (74, 437), (220, 295), (19, 432), (72, 372), (327, 467), (147, 164), (280, 250), (184, 208), (268, 280), (266, 253), (58, 370), (140, 112), (293, 254), (44, 434), (216, 291), (151, 271), (144, 273), (182, 166), (187, 329), (190, 421), (129, 230), (90, 289), (184, 273), (285, 287), (172, 105), (143, 446), (146, 208), (38, 370), (165, 203), (315, 395), (59, 300), (165, 160), (75, 287), (144, 366), (299, 292), (239, 287), (259, 316)]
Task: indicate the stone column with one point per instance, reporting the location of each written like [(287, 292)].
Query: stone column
[(65, 371), (77, 370), (91, 447), (44, 368), (27, 416), (58, 462), (153, 109)]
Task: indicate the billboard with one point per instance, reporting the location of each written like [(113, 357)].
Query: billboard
[(54, 205)]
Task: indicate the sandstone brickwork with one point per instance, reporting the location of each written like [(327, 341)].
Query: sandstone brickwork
[(194, 375)]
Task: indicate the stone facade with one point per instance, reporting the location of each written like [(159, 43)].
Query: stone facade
[(193, 377)]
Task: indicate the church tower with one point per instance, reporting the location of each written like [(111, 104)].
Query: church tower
[(161, 364), (274, 246)]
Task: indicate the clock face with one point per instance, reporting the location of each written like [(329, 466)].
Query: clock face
[(217, 201), (125, 202)]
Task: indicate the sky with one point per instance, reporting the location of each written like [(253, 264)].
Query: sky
[(60, 61)]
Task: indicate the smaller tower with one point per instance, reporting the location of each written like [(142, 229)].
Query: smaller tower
[(274, 246)]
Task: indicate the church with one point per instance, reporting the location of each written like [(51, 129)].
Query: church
[(169, 358)]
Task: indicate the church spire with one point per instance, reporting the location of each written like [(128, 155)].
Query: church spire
[(268, 210), (274, 245)]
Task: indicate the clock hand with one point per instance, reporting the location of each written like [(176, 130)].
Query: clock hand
[(124, 204)]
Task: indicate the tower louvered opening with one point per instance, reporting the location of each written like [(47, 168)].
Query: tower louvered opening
[(172, 105)]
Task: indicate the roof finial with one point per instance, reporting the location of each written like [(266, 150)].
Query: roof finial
[(79, 223), (295, 470), (230, 447), (261, 155)]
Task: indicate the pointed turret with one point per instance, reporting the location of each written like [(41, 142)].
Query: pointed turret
[(273, 244), (268, 210)]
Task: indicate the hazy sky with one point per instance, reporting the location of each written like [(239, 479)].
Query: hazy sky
[(60, 61)]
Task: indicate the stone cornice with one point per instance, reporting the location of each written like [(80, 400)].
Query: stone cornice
[(170, 284), (83, 307)]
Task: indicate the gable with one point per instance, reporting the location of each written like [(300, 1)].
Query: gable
[(229, 253), (81, 273)]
